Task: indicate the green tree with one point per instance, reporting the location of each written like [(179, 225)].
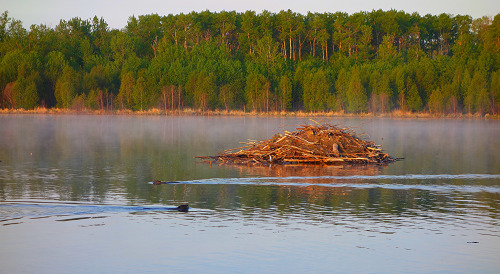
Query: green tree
[(495, 92), (477, 93), (316, 87), (226, 24), (126, 90), (492, 38), (414, 101), (257, 92), (9, 67), (381, 92), (226, 96), (341, 86), (54, 65), (17, 35), (285, 93), (425, 78), (139, 96), (468, 99), (399, 77), (438, 63), (4, 22), (444, 26), (201, 86), (25, 94), (67, 87), (248, 32), (121, 47), (386, 50), (356, 93), (96, 78), (144, 33), (436, 101), (267, 57), (463, 40)]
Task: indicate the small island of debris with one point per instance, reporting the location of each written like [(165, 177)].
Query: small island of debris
[(321, 144)]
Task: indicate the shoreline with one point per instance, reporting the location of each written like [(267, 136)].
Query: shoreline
[(192, 112)]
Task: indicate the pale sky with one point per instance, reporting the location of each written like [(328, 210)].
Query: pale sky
[(117, 12)]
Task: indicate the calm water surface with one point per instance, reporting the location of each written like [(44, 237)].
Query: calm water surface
[(75, 197)]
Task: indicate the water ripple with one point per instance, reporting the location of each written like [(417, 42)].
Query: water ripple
[(425, 182), (376, 177)]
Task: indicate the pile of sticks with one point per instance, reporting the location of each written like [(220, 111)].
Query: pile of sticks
[(321, 144)]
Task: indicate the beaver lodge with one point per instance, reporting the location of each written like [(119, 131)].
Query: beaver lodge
[(321, 144)]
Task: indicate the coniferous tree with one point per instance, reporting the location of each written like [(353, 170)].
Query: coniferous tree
[(285, 93), (374, 61)]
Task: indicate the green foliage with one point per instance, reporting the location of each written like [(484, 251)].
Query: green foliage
[(381, 92), (54, 65), (202, 89), (477, 94), (226, 96), (138, 94), (257, 92), (4, 21), (285, 93), (25, 94), (436, 101), (386, 50), (414, 101), (67, 87), (356, 95), (124, 98), (8, 68), (374, 61), (316, 86), (341, 86), (495, 92)]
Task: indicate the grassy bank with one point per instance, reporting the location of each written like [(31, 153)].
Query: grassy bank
[(155, 111)]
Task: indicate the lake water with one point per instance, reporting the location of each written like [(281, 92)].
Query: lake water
[(75, 197)]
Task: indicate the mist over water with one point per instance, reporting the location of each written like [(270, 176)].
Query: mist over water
[(77, 185)]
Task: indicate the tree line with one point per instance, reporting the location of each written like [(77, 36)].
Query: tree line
[(377, 61)]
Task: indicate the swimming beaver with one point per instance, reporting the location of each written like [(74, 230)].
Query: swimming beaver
[(156, 182), (183, 208)]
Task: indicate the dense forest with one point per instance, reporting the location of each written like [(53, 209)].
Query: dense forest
[(377, 62)]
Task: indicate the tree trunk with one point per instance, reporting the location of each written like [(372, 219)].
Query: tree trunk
[(326, 50), (179, 101), (185, 37), (314, 47)]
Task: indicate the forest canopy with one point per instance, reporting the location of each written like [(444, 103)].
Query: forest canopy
[(377, 61)]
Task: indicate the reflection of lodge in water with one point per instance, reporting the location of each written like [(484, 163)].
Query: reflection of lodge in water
[(311, 170), (313, 175)]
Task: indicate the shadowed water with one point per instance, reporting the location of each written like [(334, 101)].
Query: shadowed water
[(80, 186)]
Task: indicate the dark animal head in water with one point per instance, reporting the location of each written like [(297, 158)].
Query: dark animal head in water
[(156, 182), (183, 208)]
